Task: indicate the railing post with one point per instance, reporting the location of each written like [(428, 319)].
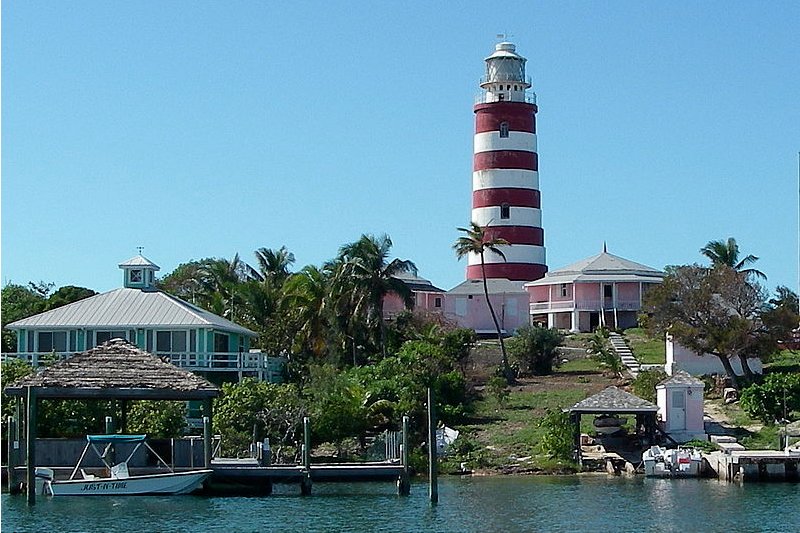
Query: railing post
[(404, 481)]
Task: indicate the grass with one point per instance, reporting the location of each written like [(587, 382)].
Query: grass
[(784, 361), (583, 365), (647, 350), (750, 432)]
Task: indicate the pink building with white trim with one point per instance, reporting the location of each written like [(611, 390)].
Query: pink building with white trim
[(427, 297), (465, 305), (602, 290)]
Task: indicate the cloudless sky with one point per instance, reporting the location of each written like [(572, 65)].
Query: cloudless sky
[(200, 129)]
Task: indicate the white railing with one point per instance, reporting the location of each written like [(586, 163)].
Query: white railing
[(585, 305), (484, 97)]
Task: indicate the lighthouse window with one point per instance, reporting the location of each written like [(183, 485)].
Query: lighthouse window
[(515, 88), (504, 129), (505, 211)]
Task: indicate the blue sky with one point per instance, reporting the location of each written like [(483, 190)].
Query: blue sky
[(200, 129)]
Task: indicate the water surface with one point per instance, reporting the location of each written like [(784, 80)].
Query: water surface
[(535, 503)]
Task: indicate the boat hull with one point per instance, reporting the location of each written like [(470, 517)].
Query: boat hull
[(171, 483)]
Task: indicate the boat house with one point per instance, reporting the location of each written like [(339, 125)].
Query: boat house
[(152, 320)]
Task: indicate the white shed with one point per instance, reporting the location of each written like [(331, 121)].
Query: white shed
[(680, 406)]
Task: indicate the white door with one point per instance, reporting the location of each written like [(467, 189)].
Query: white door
[(677, 412)]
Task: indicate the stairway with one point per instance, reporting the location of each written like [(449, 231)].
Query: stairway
[(619, 346)]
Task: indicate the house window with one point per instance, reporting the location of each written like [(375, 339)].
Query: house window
[(136, 276), (564, 290), (50, 341), (504, 129), (170, 341), (608, 291), (221, 342), (505, 211), (437, 302)]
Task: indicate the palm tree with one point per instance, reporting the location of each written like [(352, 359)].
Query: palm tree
[(366, 264), (727, 253), (273, 265), (305, 299), (476, 241)]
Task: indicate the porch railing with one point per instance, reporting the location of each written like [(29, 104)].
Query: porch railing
[(585, 305)]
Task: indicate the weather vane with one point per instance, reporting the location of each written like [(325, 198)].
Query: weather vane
[(140, 248)]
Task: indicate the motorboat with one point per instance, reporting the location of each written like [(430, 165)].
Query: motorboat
[(678, 462), (119, 482), (608, 425)]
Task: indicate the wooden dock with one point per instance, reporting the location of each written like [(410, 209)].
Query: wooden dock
[(754, 465), (248, 476)]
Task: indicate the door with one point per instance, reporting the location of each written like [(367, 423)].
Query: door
[(677, 412)]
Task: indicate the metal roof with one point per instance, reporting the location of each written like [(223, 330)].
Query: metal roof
[(601, 267), (679, 378), (129, 308), (139, 261), (495, 286), (416, 283)]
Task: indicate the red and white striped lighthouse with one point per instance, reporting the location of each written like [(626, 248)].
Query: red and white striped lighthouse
[(505, 177)]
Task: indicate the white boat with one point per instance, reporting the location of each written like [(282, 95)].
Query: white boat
[(120, 482), (679, 462), (608, 425)]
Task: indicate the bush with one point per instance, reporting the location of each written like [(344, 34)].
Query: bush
[(777, 395), (497, 387), (598, 348), (535, 348), (559, 437), (644, 386), (158, 419)]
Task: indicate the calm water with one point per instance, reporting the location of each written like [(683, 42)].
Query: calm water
[(574, 503)]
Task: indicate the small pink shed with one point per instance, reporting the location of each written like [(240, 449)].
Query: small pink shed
[(680, 406)]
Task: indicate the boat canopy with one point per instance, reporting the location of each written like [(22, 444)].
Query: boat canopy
[(115, 438)]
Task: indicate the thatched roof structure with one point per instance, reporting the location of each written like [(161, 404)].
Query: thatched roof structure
[(115, 370), (613, 400)]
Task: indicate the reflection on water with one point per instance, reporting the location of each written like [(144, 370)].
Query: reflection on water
[(538, 503)]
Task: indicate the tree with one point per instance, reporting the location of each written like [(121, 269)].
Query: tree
[(365, 264), (305, 300), (475, 240), (726, 253), (273, 265), (535, 348), (711, 310), (158, 419), (67, 295), (18, 302)]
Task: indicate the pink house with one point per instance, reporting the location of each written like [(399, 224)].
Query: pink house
[(466, 305), (602, 290), (427, 297)]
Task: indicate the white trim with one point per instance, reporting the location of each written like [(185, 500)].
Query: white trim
[(517, 253), (517, 140), (503, 178), (520, 216)]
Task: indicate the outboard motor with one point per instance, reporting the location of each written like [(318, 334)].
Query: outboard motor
[(43, 477)]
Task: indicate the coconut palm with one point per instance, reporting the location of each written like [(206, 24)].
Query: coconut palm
[(366, 264), (273, 265), (305, 301), (476, 241), (727, 253)]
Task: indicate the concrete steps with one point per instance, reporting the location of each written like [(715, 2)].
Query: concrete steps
[(625, 353)]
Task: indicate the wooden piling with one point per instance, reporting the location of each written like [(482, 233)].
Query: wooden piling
[(30, 447), (13, 445), (207, 432), (305, 482), (404, 480), (432, 470)]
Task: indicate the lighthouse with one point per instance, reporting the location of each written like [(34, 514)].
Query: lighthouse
[(505, 178)]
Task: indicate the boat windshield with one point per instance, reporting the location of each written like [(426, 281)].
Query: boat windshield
[(104, 439)]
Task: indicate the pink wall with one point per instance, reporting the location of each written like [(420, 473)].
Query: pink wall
[(538, 294), (628, 292), (511, 310), (426, 301)]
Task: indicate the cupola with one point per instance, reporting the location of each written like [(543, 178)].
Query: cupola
[(139, 273)]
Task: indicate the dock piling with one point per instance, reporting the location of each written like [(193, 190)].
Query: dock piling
[(432, 470), (30, 446), (404, 480)]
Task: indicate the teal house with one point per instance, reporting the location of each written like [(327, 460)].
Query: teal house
[(154, 321)]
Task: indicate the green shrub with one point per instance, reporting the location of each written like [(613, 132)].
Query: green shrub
[(497, 387), (776, 396), (535, 348), (559, 436), (644, 386)]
